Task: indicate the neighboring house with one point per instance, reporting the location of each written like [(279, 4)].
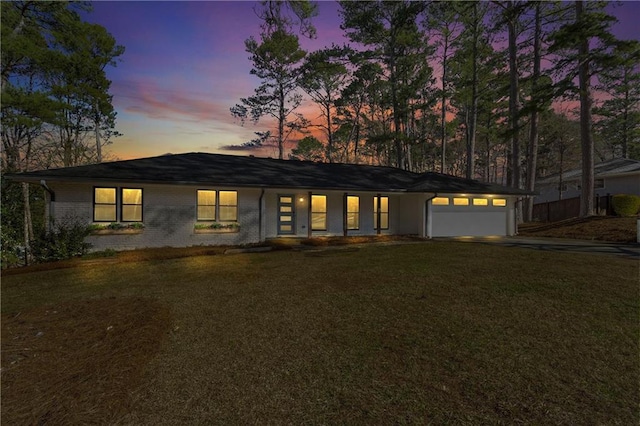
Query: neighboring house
[(618, 176), (205, 199)]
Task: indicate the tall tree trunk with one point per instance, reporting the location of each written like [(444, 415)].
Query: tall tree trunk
[(97, 124), (513, 98), (471, 140), (532, 151), (281, 120), (28, 223), (586, 137), (443, 113)]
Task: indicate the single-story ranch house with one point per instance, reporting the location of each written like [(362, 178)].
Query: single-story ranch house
[(208, 199)]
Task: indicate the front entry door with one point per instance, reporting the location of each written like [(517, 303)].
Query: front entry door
[(286, 215)]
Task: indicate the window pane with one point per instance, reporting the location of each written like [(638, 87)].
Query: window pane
[(228, 198), (499, 202), (480, 202), (228, 213), (319, 203), (384, 204), (285, 209), (353, 220), (206, 198), (285, 228), (206, 213), (131, 196), (440, 201), (285, 218), (384, 220), (286, 200), (105, 195), (131, 213), (460, 201), (318, 221), (104, 213), (353, 204)]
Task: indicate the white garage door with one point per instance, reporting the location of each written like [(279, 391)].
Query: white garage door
[(456, 220)]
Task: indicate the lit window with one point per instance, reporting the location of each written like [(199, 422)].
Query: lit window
[(480, 202), (206, 205), (131, 205), (104, 205), (440, 201), (460, 201), (353, 212), (318, 212), (228, 206), (383, 213), (499, 202)]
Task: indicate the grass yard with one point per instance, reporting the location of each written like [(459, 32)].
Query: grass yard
[(436, 332)]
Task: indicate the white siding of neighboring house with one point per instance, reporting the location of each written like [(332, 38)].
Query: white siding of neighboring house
[(625, 184)]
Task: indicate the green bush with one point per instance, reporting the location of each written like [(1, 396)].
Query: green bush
[(64, 241), (626, 205)]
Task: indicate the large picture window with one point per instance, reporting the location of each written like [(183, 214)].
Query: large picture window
[(383, 214), (215, 205), (318, 212), (131, 205), (353, 212), (104, 205)]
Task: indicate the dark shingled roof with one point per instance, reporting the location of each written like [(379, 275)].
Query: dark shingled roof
[(239, 171)]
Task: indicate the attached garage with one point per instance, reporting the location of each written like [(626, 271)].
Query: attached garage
[(477, 215)]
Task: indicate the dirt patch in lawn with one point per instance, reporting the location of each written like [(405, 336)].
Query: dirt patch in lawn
[(599, 228), (77, 362)]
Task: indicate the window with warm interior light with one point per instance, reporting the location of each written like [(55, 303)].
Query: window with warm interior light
[(353, 212), (228, 206), (206, 204), (383, 213), (318, 212), (480, 202), (104, 205), (440, 201), (131, 205), (499, 202), (215, 205), (458, 201)]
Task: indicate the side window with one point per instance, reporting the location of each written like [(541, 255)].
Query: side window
[(206, 205), (384, 212), (131, 205), (318, 212), (104, 204), (353, 212)]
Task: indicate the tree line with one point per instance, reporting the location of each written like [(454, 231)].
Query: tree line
[(56, 106), (503, 91)]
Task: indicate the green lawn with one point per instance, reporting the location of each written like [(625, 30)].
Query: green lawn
[(437, 332)]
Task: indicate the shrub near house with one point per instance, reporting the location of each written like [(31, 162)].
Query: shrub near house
[(626, 205)]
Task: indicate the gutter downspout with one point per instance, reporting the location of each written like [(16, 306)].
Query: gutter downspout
[(260, 216), (52, 199)]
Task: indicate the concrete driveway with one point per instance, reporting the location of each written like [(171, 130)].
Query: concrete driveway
[(631, 251)]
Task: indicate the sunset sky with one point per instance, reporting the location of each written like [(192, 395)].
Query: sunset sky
[(185, 66)]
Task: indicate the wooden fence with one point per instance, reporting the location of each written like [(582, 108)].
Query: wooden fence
[(554, 211)]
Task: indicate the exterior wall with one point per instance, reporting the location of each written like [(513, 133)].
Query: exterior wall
[(169, 216), (628, 184), (335, 216)]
